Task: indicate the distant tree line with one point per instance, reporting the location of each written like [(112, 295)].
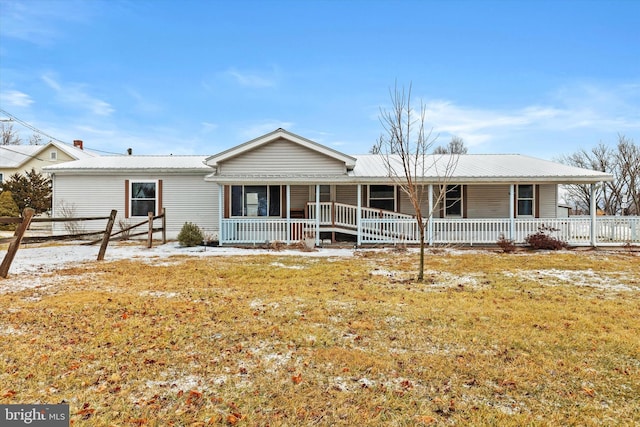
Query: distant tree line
[(618, 197)]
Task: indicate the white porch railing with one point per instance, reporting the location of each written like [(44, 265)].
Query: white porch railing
[(261, 230), (384, 227), (576, 230), (343, 215)]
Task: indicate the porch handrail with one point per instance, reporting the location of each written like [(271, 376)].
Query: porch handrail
[(345, 215)]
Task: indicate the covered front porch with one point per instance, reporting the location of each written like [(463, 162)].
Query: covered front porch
[(370, 225)]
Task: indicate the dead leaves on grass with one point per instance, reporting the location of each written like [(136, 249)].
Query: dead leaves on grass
[(322, 339)]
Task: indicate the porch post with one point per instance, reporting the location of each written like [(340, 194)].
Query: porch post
[(221, 235), (317, 214), (592, 211), (512, 209), (359, 216), (430, 224), (288, 207)]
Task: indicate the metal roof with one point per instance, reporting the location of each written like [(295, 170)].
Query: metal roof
[(469, 168), (480, 168), (132, 163)]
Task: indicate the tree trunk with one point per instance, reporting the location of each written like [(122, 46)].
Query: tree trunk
[(421, 268)]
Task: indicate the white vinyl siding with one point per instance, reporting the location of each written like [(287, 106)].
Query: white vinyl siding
[(186, 198), (488, 201), (548, 201), (347, 194), (282, 157), (299, 196)]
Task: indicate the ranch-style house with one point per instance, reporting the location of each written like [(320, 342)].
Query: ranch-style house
[(284, 187)]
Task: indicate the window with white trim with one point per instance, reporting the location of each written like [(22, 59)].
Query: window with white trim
[(53, 155), (526, 199), (255, 200), (143, 197), (453, 201), (382, 197)]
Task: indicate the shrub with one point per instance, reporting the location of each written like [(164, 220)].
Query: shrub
[(544, 240), (507, 245), (8, 207), (190, 235)]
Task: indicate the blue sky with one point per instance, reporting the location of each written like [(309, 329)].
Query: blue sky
[(542, 78)]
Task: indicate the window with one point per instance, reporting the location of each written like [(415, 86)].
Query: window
[(255, 200), (53, 155), (525, 200), (143, 198), (325, 193), (1, 178), (382, 197), (453, 200)]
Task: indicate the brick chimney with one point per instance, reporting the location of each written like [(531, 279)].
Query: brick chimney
[(78, 144)]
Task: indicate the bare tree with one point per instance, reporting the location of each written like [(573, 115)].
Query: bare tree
[(455, 146), (628, 164), (404, 147), (35, 139), (9, 135), (618, 197)]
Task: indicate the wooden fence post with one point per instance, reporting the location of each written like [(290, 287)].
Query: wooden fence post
[(27, 215), (150, 238), (164, 226), (107, 235)]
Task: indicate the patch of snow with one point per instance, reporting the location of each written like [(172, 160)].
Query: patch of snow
[(586, 278), (9, 330), (34, 265), (291, 267), (159, 294)]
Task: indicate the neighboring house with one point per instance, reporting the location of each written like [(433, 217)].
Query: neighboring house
[(23, 158), (284, 187)]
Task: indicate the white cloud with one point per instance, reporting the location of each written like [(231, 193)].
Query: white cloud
[(143, 104), (76, 95), (583, 108), (16, 98), (208, 127), (254, 79), (43, 22)]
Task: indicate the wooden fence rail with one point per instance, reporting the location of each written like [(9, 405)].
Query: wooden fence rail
[(149, 232), (25, 222), (27, 218)]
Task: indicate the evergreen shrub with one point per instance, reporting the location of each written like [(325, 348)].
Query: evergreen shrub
[(190, 235), (8, 207)]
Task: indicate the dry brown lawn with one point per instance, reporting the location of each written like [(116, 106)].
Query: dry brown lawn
[(488, 339)]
